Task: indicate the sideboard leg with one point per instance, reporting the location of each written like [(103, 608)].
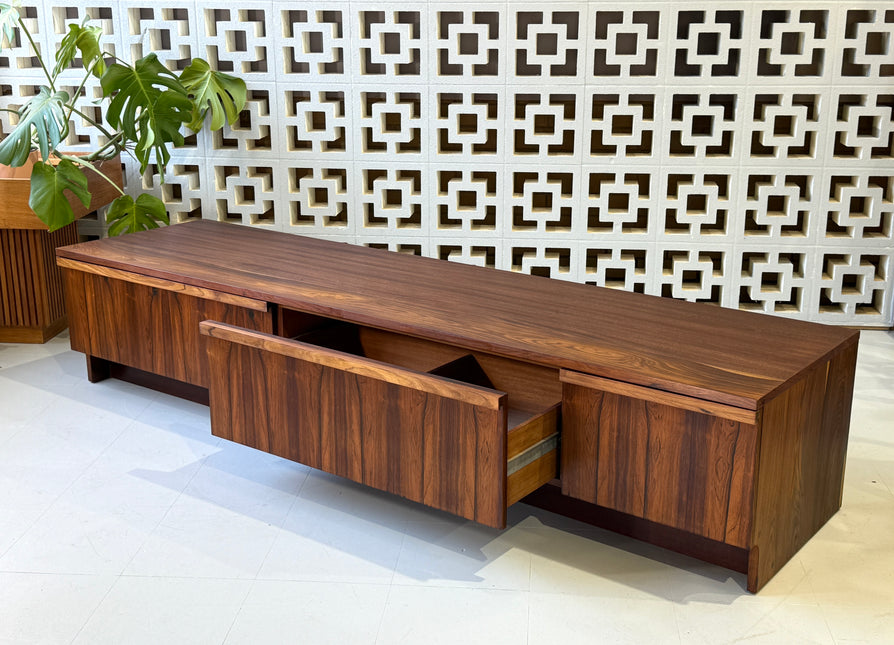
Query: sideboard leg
[(97, 369)]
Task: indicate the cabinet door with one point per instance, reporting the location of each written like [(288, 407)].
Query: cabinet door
[(149, 323), (667, 458)]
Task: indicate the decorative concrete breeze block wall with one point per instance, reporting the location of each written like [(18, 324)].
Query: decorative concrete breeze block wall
[(737, 153)]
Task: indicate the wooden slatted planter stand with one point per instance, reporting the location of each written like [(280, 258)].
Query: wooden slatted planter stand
[(32, 309)]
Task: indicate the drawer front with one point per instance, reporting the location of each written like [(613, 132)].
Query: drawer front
[(431, 440), (152, 325), (674, 460)]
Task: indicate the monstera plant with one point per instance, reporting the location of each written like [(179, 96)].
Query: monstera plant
[(145, 105)]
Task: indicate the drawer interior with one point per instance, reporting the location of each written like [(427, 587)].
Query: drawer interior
[(531, 390), (534, 393)]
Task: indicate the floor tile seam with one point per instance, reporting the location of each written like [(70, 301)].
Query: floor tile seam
[(95, 609), (880, 478), (530, 577), (56, 499), (676, 613), (280, 529), (11, 366), (164, 576), (377, 640), (528, 617), (460, 584), (43, 409), (164, 516), (820, 605), (105, 448), (404, 531), (877, 476), (246, 593), (832, 639), (76, 574), (183, 577), (36, 572), (322, 581), (405, 587), (135, 417), (6, 440), (775, 606)]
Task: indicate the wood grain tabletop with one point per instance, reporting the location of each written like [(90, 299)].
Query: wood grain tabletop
[(728, 356)]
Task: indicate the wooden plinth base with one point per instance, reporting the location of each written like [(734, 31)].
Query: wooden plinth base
[(35, 335), (99, 369), (550, 498), (32, 308)]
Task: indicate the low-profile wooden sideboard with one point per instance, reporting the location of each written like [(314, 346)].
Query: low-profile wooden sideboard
[(714, 432)]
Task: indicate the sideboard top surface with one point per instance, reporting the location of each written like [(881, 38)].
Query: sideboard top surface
[(723, 355)]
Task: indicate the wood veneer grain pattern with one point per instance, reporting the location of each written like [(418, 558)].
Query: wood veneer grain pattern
[(32, 307), (647, 394), (676, 467), (802, 454), (341, 361), (441, 452), (167, 285), (149, 328), (653, 342)]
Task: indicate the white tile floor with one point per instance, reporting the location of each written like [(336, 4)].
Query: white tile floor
[(122, 520)]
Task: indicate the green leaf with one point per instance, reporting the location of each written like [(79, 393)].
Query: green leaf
[(81, 39), (128, 216), (9, 17), (149, 106), (88, 45), (68, 49), (44, 114), (48, 186), (222, 93)]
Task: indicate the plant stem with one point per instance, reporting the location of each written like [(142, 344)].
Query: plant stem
[(46, 72), (96, 124), (111, 143), (71, 106), (81, 162)]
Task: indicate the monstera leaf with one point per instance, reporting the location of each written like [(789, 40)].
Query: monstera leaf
[(142, 110), (9, 16), (48, 186), (129, 216), (81, 39), (223, 94), (149, 107), (44, 114)]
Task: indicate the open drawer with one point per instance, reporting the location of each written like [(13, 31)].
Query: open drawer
[(419, 419)]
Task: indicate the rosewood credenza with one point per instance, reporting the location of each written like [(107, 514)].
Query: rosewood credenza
[(717, 433)]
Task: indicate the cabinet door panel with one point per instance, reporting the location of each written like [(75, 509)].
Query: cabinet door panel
[(673, 466), (151, 328)]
